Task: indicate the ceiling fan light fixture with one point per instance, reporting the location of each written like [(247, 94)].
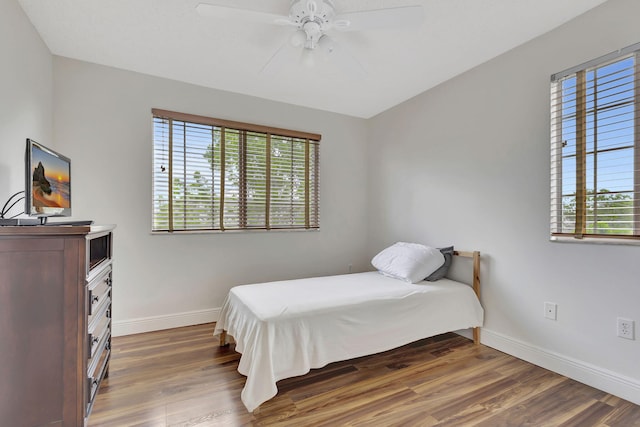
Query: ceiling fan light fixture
[(298, 38), (313, 32), (307, 58), (326, 45)]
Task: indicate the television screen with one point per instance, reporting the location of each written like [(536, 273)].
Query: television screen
[(48, 182)]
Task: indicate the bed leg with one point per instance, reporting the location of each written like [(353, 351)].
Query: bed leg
[(223, 339), (476, 336)]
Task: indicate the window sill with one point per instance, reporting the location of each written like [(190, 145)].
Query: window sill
[(594, 240), (249, 231)]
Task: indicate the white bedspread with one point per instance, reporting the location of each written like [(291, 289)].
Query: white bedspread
[(284, 329)]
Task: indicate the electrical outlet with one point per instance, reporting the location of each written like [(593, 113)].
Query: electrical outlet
[(626, 328), (551, 310)]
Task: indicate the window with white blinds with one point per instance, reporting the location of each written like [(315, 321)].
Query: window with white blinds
[(595, 148), (212, 174)]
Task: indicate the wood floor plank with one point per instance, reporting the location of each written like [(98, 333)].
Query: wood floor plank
[(181, 377), (483, 409), (624, 414), (557, 405), (336, 413), (594, 414)]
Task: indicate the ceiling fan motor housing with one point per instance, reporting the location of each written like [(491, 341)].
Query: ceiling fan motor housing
[(314, 17)]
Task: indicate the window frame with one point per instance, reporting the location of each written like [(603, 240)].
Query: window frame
[(587, 200), (304, 158)]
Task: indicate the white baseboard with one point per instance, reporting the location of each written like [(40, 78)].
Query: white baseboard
[(594, 376), (157, 323)]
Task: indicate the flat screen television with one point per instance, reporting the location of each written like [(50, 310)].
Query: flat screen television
[(48, 182)]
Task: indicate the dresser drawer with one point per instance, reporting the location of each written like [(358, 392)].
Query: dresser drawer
[(99, 314), (95, 376), (99, 330), (98, 291)]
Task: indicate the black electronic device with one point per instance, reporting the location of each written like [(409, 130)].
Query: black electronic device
[(16, 222), (47, 182), (72, 222)]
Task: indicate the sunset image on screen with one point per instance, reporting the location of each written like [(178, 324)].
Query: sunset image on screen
[(51, 181)]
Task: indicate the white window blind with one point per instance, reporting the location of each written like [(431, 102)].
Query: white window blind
[(595, 148), (212, 174)]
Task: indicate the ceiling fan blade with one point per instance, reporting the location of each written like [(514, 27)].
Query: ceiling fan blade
[(395, 17), (341, 57), (243, 15), (283, 56)]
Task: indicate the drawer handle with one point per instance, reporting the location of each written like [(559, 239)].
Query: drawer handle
[(95, 340), (90, 303), (108, 280), (95, 299)]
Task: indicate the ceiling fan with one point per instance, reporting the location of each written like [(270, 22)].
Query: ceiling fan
[(312, 20)]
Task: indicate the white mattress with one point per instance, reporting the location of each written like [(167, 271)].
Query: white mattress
[(284, 329)]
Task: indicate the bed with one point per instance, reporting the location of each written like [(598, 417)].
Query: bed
[(284, 329)]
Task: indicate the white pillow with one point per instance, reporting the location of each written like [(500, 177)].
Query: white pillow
[(411, 262)]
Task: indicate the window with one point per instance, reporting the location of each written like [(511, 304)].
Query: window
[(211, 174), (595, 148)]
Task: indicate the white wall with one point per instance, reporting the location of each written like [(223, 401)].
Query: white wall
[(467, 163), (103, 123), (25, 96)]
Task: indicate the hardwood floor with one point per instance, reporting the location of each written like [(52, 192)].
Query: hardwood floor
[(180, 377)]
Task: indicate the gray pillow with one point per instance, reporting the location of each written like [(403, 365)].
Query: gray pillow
[(444, 268)]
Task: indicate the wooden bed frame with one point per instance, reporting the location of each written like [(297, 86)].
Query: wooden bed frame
[(474, 255)]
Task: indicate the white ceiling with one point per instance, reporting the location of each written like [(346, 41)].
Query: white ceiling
[(167, 38)]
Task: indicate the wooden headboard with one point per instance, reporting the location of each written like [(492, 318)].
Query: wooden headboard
[(475, 255)]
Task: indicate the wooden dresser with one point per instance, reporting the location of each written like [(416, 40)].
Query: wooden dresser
[(55, 322)]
